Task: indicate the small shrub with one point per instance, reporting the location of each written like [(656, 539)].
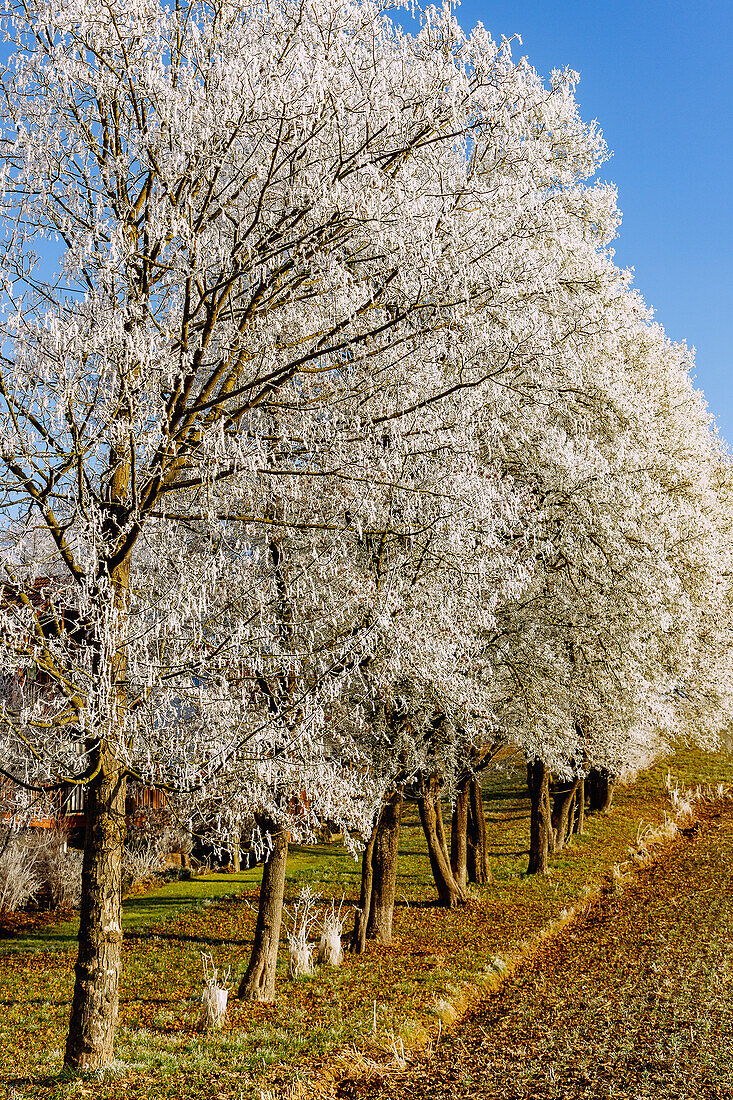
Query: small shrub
[(64, 878), (174, 840)]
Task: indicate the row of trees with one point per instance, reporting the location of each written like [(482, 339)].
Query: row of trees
[(336, 451)]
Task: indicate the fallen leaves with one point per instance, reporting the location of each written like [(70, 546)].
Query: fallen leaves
[(628, 1004)]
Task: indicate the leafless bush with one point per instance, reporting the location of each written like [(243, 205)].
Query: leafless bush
[(151, 839), (330, 950), (20, 878), (300, 951), (37, 862), (62, 870), (174, 839), (141, 859)]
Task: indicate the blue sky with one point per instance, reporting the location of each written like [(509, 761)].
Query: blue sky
[(658, 77)]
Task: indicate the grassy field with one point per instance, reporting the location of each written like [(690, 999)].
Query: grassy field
[(633, 1001), (438, 958)]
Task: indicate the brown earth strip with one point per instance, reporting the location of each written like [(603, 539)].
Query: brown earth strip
[(633, 1001)]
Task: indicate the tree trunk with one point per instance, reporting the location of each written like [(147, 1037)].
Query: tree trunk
[(572, 811), (579, 823), (600, 785), (384, 871), (561, 814), (439, 825), (95, 1002), (459, 834), (258, 983), (538, 779), (234, 843), (428, 802), (479, 868), (361, 917)]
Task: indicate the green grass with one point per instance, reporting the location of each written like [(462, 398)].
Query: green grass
[(438, 956), (163, 903)]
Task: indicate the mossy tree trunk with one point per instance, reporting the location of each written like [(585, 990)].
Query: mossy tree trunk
[(95, 1001)]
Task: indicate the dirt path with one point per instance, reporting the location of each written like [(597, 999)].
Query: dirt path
[(634, 1001)]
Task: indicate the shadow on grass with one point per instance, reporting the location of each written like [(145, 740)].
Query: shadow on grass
[(419, 903), (41, 1001), (47, 1081), (175, 937)]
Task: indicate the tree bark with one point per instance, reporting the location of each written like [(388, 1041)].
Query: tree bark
[(538, 780), (234, 842), (600, 785), (579, 822), (479, 868), (384, 871), (95, 1002), (428, 802), (258, 983), (361, 917), (561, 814), (459, 834)]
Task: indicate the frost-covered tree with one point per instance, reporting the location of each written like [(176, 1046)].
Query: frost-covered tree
[(240, 241), (631, 548)]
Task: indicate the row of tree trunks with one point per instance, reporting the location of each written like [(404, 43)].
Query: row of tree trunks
[(554, 818), (450, 894), (467, 862), (258, 983), (95, 1004)]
